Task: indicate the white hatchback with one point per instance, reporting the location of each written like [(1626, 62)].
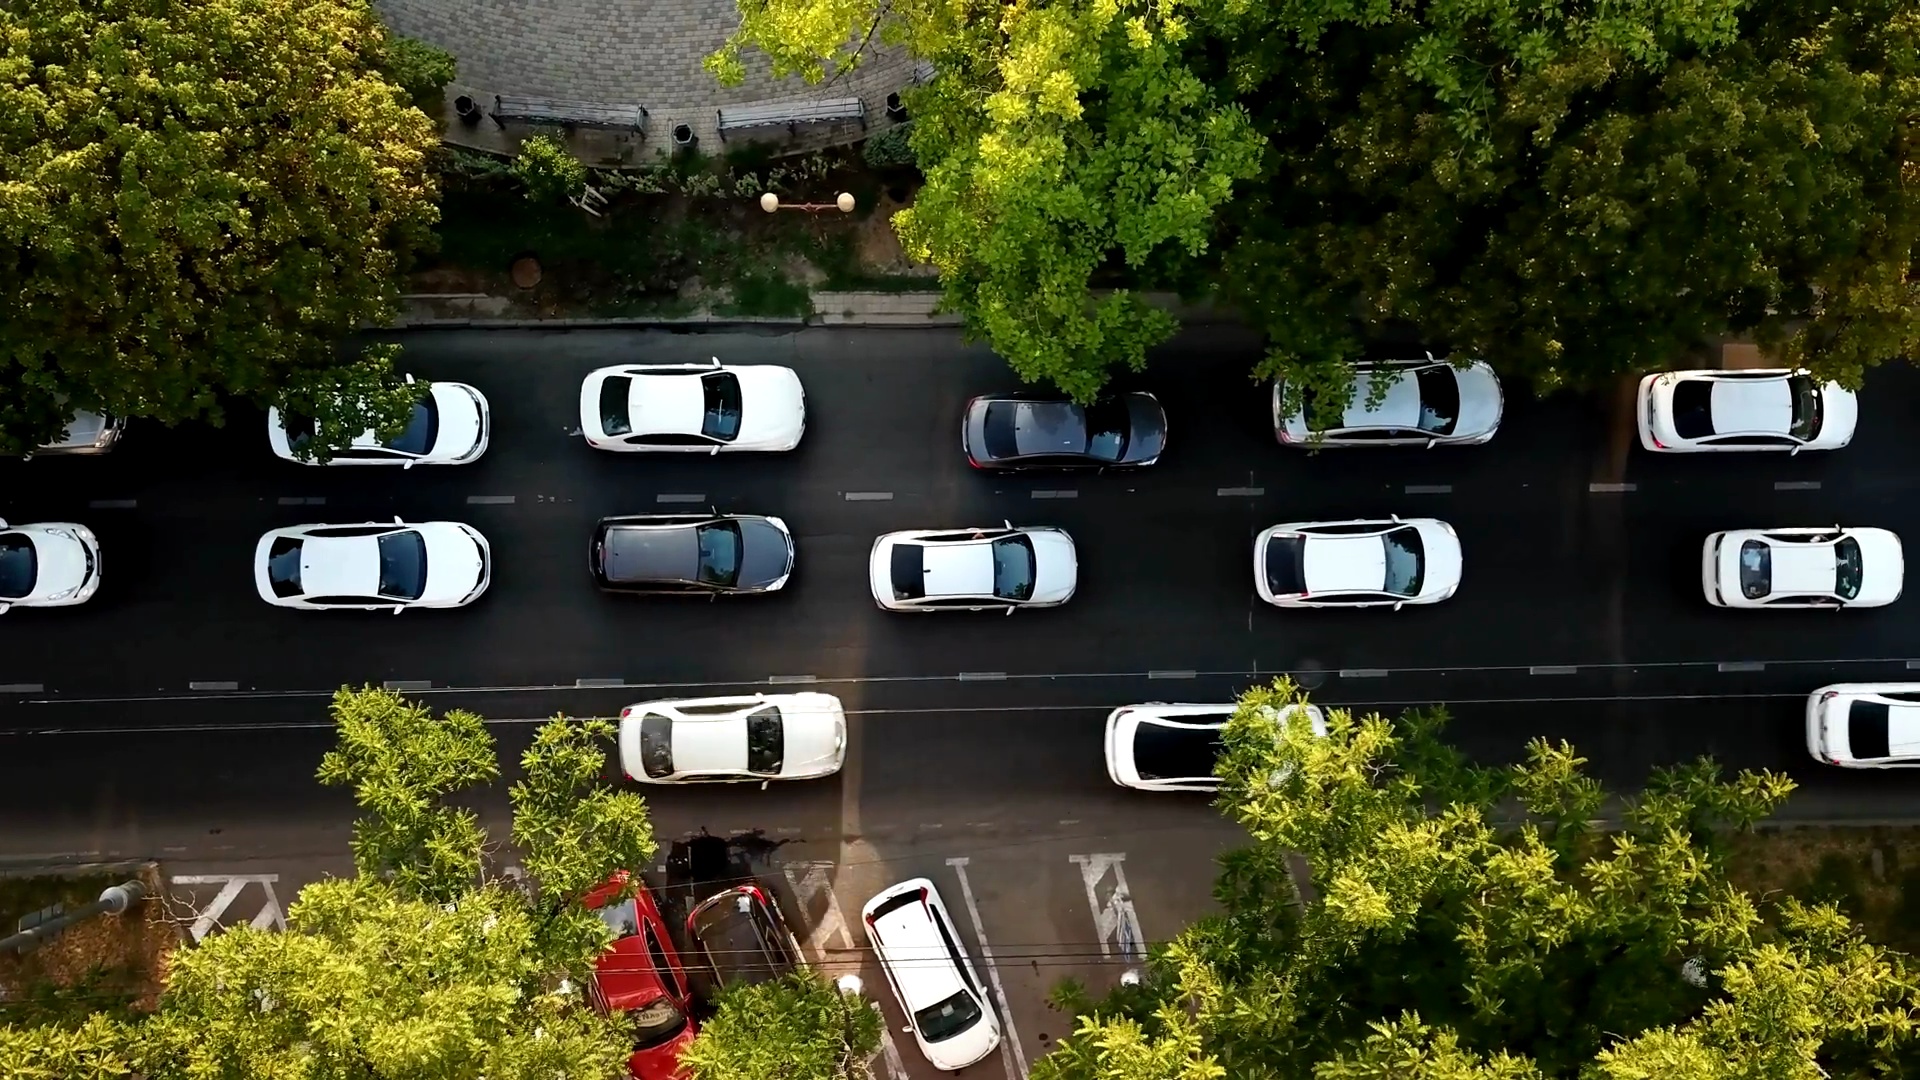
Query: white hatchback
[(1422, 403), (931, 975), (373, 566), (985, 569), (1162, 747), (49, 564), (693, 408), (1367, 562), (1795, 569), (1865, 725), (1687, 412), (754, 737), (449, 426)]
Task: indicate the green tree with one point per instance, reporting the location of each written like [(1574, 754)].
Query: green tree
[(1462, 922), (421, 70), (198, 200), (798, 1027), (101, 1048), (548, 170)]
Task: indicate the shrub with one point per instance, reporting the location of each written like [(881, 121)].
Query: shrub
[(890, 149), (549, 170), (421, 70)]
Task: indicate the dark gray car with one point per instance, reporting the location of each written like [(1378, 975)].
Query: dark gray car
[(1032, 431), (691, 554)]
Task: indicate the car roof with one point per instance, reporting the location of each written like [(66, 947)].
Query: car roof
[(957, 568), (666, 403), (916, 955), (1043, 427), (1400, 408), (1803, 567), (1752, 405), (340, 566), (651, 553), (710, 743), (1345, 564)]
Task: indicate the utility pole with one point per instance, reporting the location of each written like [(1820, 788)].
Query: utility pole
[(115, 900)]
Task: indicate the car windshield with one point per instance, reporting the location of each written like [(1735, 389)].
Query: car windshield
[(719, 553), (1756, 569), (283, 566), (1013, 568), (403, 565), (1847, 572), (1405, 561), (1107, 430), (656, 745), (1867, 736), (1806, 407), (622, 917), (422, 429), (299, 429), (616, 414), (1165, 752), (19, 567), (1439, 399), (1693, 408), (722, 391), (766, 741), (656, 1023), (945, 1019)]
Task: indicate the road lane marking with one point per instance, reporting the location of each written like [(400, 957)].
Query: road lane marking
[(113, 504), (302, 500), (1741, 665), (869, 496), (23, 688), (1363, 672), (1796, 485), (812, 879), (590, 684), (1429, 489), (1061, 493), (269, 916), (792, 680), (1599, 488), (213, 685), (408, 684), (1913, 665), (1010, 1040), (490, 500), (1173, 673), (695, 498), (982, 676), (1116, 922), (1240, 492), (1553, 669)]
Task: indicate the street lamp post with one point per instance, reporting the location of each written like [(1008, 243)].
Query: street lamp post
[(849, 986), (842, 202)]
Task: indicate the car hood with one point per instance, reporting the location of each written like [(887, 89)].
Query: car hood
[(766, 553), (62, 563), (1056, 567), (1883, 566), (459, 408), (1443, 560), (814, 729), (967, 1047), (1148, 439), (1840, 415), (1481, 402), (773, 405), (454, 563)]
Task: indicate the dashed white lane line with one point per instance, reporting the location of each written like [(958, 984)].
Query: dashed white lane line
[(868, 496), (1010, 1049), (1796, 485), (1363, 673), (490, 500), (1741, 665), (302, 500), (1059, 493), (408, 684), (214, 685), (1184, 673), (1553, 669), (113, 504), (691, 498), (1912, 665), (792, 680), (1429, 489), (1240, 492), (1602, 488), (983, 676), (23, 688), (590, 684)]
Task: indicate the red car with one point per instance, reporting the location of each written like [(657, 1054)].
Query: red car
[(641, 975)]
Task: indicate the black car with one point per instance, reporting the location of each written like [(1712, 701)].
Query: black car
[(742, 936), (1023, 431), (691, 554)]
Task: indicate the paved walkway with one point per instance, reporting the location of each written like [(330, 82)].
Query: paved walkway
[(644, 52)]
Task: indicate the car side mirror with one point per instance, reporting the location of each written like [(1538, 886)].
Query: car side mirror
[(1431, 443), (713, 451), (1007, 523), (3, 523), (764, 784), (397, 521), (5, 607), (409, 463), (409, 379), (716, 361), (1398, 604), (1795, 451), (1010, 609)]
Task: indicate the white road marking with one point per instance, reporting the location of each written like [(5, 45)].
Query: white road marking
[(810, 879), (1796, 485), (1553, 669), (1741, 665), (1363, 673), (792, 680), (215, 685), (889, 1052), (1061, 493), (679, 498), (1429, 489), (113, 504), (23, 688), (490, 500), (269, 917), (1116, 921), (1185, 673), (869, 496), (1602, 488), (982, 676), (408, 684), (302, 500), (1010, 1041), (1240, 492), (1913, 665), (591, 684)]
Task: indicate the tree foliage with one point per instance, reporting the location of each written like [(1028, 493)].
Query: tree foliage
[(1463, 923), (1572, 191), (548, 171), (198, 199), (797, 1027), (421, 70)]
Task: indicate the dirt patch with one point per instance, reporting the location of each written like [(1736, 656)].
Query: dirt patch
[(877, 245), (1873, 874), (104, 963)]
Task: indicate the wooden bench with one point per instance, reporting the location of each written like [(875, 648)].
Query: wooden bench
[(789, 114), (923, 72), (594, 114)]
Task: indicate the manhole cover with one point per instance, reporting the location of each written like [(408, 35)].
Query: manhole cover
[(526, 271)]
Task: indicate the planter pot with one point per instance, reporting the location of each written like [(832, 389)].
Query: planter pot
[(684, 138), (467, 109), (896, 110)]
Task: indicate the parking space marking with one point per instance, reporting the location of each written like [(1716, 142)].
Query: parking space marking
[(1116, 922), (490, 500), (1240, 492), (1057, 493), (1429, 489), (1010, 1039), (1603, 488), (868, 496), (690, 498), (1796, 485), (810, 879), (113, 504), (269, 916)]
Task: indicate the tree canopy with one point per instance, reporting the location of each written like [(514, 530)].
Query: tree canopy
[(797, 1027), (1465, 923), (1572, 191), (200, 199)]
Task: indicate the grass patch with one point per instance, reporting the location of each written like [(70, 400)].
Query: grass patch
[(1838, 865), (108, 963), (767, 294)]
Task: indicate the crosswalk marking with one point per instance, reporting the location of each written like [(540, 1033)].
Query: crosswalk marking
[(1116, 922), (811, 879)]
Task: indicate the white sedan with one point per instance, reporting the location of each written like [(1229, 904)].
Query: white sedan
[(373, 566), (1791, 569), (1687, 412), (49, 564), (756, 737), (693, 408), (449, 427), (1361, 563), (1422, 403), (987, 569), (1865, 725), (1161, 747)]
